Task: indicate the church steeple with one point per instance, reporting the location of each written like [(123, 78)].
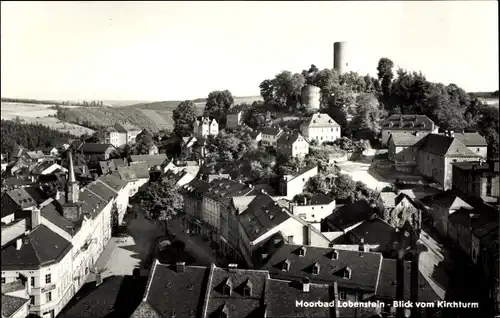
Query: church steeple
[(72, 190)]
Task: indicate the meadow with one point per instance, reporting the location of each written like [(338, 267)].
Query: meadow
[(39, 113)]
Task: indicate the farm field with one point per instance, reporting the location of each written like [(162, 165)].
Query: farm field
[(37, 114), (490, 101)]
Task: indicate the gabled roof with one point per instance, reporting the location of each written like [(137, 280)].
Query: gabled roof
[(474, 166), (237, 304), (11, 304), (238, 108), (95, 148), (41, 247), (320, 199), (223, 191), (406, 122), (405, 139), (273, 131), (321, 120), (300, 172), (387, 283), (442, 145), (21, 198), (35, 154), (364, 266), (113, 181), (119, 162), (391, 199), (446, 200), (101, 190), (170, 292), (135, 171), (471, 139), (350, 214), (151, 160), (374, 232), (125, 127), (289, 138)]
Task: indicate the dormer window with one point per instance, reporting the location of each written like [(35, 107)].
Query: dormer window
[(247, 289), (226, 288), (335, 255), (315, 269), (302, 251), (347, 272), (285, 266)]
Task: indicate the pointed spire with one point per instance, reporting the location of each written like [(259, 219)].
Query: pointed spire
[(72, 178)]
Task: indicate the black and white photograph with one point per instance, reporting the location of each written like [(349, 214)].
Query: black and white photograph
[(250, 159)]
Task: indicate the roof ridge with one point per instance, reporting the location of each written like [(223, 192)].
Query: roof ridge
[(32, 245), (150, 280), (207, 291), (105, 184)]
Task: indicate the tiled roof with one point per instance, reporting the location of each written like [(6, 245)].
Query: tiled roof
[(391, 199), (281, 296), (133, 172), (238, 108), (474, 166), (387, 283), (405, 122), (321, 120), (14, 286), (21, 198), (446, 200), (41, 247), (101, 190), (300, 172), (196, 186), (53, 213), (35, 154), (405, 139), (442, 145), (350, 214), (95, 148), (374, 231), (177, 293), (320, 199), (113, 181), (289, 138), (106, 166), (119, 162), (151, 160), (262, 215), (11, 304), (364, 266), (274, 131), (223, 190), (471, 139), (117, 296), (237, 303), (75, 145), (125, 127)]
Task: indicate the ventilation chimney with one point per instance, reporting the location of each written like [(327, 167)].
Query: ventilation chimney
[(180, 267), (305, 200), (35, 217), (98, 279), (306, 285), (362, 246), (19, 243), (452, 134), (233, 268)]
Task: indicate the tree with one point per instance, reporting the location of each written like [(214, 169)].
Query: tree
[(488, 126), (368, 116), (385, 75), (162, 201), (284, 90), (143, 142), (184, 117), (217, 105)]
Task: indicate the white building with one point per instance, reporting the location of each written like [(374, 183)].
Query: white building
[(320, 127), (121, 134), (270, 136), (313, 209), (204, 127)]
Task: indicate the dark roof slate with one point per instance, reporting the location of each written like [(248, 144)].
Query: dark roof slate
[(95, 148), (11, 304), (350, 214), (40, 247), (471, 139)]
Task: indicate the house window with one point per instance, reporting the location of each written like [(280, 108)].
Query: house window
[(226, 290), (48, 296), (48, 279), (342, 294), (32, 281), (290, 239), (32, 300), (454, 160), (315, 270), (246, 291), (477, 150)]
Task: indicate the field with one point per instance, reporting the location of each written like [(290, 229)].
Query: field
[(490, 101), (153, 116), (38, 114)]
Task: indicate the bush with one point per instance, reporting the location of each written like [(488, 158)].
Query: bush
[(164, 245)]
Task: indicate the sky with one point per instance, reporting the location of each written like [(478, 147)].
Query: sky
[(184, 50)]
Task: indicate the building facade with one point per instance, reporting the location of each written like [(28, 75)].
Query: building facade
[(322, 128), (406, 124), (292, 145), (270, 136), (479, 179), (204, 127)]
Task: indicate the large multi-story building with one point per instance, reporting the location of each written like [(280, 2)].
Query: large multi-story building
[(204, 127), (270, 136), (121, 134), (320, 127), (292, 145), (407, 124), (478, 179), (59, 241), (431, 155)]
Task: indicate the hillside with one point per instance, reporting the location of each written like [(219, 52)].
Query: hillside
[(153, 116)]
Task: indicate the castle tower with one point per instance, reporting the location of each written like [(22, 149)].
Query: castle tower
[(340, 57)]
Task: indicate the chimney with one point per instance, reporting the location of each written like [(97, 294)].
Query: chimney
[(336, 299), (35, 217), (306, 285), (180, 267), (452, 134), (233, 268), (305, 200), (98, 279), (262, 191), (19, 243), (32, 178)]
